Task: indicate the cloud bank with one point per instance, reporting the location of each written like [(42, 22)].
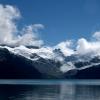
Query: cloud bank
[(65, 47), (8, 15), (28, 36), (89, 47), (8, 29)]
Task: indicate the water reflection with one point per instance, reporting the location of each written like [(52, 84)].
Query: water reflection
[(50, 92)]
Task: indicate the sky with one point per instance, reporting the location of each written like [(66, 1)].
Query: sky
[(62, 19)]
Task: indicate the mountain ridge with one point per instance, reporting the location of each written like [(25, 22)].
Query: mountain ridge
[(20, 64)]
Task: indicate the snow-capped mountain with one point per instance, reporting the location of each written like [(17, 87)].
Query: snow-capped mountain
[(46, 62), (23, 54)]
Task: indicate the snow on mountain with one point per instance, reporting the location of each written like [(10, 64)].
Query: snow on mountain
[(67, 63), (50, 62)]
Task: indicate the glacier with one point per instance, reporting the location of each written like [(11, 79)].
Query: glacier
[(46, 63)]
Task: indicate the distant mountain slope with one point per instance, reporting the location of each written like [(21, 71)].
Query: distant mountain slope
[(20, 63), (15, 66)]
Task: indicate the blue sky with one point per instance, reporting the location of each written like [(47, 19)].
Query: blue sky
[(63, 19)]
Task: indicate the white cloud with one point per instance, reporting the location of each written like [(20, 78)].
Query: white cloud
[(29, 36), (8, 29), (65, 47), (96, 35), (8, 14), (88, 47)]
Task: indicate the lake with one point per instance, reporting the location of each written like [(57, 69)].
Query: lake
[(49, 89)]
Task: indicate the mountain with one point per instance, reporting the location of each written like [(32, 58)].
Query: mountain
[(44, 63), (15, 66), (19, 67), (87, 69)]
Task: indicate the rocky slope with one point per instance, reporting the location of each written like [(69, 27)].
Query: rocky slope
[(35, 63)]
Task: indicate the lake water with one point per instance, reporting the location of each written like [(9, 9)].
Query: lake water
[(49, 89)]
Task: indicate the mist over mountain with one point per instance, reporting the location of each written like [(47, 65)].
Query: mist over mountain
[(25, 63), (24, 55)]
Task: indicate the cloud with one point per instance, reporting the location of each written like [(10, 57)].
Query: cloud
[(65, 47), (8, 15), (96, 35), (66, 67), (88, 47), (28, 36), (8, 29), (83, 47)]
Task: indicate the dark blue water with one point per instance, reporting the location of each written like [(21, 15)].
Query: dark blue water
[(49, 89)]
